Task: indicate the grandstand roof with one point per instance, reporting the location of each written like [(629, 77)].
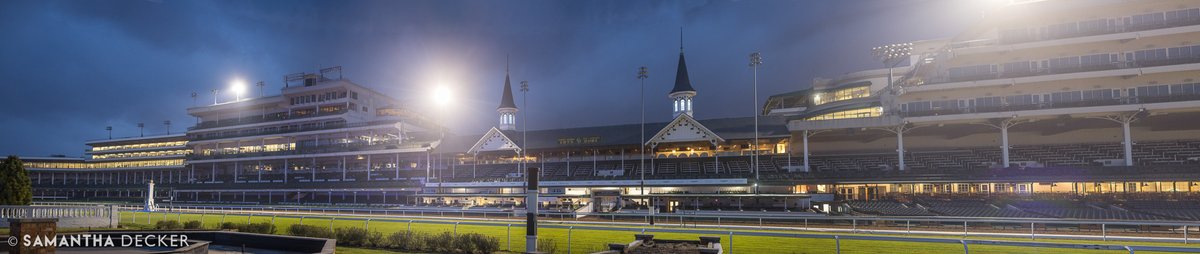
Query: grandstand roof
[(738, 128)]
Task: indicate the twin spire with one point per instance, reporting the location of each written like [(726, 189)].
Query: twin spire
[(681, 94)]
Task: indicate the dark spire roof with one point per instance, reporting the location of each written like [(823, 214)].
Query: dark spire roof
[(682, 83), (507, 100)]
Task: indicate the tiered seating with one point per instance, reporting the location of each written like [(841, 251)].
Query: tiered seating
[(887, 208), (974, 208), (711, 167), (665, 168), (584, 169), (1180, 210), (738, 166), (1076, 210), (689, 167)]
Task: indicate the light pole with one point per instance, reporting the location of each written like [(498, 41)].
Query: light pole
[(891, 55), (168, 124), (194, 99), (214, 93), (238, 88), (260, 85), (109, 129), (643, 73), (524, 123), (755, 61), (141, 127)]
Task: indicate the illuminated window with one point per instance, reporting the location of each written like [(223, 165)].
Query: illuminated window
[(847, 114), (841, 95)]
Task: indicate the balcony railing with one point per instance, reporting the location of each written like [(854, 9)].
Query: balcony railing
[(328, 126), (1062, 70), (1023, 38), (1050, 105), (261, 119), (332, 148)]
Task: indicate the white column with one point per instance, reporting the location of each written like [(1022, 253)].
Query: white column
[(368, 167), (900, 145), (344, 167), (1128, 142), (285, 171), (1004, 145), (805, 140)]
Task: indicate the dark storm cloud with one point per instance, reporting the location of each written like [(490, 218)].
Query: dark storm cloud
[(72, 67)]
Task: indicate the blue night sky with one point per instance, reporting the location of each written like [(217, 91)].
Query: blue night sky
[(70, 68)]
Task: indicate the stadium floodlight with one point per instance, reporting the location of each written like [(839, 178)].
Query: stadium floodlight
[(892, 55), (441, 95), (238, 87), (756, 60)]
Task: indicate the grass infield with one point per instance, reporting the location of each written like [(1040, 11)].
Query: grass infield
[(587, 241)]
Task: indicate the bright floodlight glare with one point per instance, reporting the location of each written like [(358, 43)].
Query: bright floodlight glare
[(238, 87), (441, 95)]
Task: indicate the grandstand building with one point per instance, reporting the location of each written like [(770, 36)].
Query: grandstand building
[(1035, 99), (1091, 104), (115, 169)]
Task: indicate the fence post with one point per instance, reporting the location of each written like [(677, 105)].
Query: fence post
[(569, 231), (248, 216), (1185, 234), (854, 225), (730, 241), (508, 235), (837, 245), (1104, 232), (456, 228), (806, 224), (367, 225), (222, 220), (331, 219), (301, 219), (964, 230), (272, 220), (1031, 227), (965, 250), (410, 225), (908, 226)]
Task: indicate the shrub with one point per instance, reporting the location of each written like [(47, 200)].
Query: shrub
[(353, 236), (476, 243), (406, 240), (310, 231), (547, 245), (261, 228), (442, 242), (229, 225), (167, 224), (193, 225)]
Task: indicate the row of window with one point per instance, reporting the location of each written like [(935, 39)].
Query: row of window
[(1102, 26), (142, 154), (848, 114), (328, 96), (1056, 97), (105, 165), (1076, 63), (841, 95), (139, 146), (683, 104)]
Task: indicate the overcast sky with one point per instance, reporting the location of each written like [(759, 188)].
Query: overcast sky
[(70, 68)]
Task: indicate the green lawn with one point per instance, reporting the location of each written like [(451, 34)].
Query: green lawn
[(586, 241)]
